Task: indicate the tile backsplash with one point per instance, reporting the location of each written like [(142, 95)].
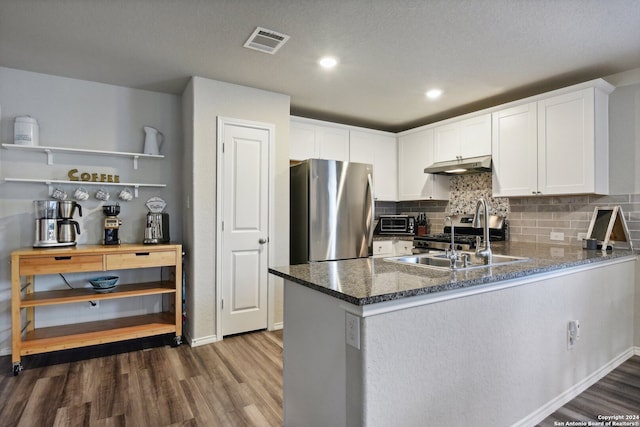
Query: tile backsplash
[(531, 219)]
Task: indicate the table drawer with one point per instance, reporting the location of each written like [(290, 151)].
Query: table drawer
[(60, 264), (140, 259)]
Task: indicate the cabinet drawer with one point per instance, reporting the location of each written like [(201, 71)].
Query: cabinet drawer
[(60, 264), (140, 259)]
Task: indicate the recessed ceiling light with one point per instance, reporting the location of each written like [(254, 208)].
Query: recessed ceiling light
[(434, 93), (328, 62)]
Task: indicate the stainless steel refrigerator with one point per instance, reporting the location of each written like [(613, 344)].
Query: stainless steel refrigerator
[(332, 210)]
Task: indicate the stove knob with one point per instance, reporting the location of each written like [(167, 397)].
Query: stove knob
[(459, 247)]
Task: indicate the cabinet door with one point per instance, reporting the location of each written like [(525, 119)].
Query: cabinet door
[(402, 247), (447, 142), (385, 167), (415, 152), (333, 143), (566, 152), (382, 248), (380, 151), (465, 138), (302, 141), (475, 136), (514, 148)]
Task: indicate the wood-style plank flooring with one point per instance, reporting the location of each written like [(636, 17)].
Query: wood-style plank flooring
[(616, 394), (235, 382)]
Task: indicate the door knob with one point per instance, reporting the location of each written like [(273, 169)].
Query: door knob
[(262, 241)]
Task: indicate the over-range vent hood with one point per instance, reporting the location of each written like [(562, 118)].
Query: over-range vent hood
[(461, 166)]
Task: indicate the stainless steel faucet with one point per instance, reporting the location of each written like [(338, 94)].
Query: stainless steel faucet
[(483, 252), (453, 255)]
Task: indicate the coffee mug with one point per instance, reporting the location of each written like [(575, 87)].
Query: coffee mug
[(59, 194), (102, 194), (126, 194), (81, 193)]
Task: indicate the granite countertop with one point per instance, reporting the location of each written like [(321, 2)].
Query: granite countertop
[(373, 280)]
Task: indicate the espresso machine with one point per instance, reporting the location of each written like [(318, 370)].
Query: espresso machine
[(111, 224), (48, 225), (68, 229), (157, 229)]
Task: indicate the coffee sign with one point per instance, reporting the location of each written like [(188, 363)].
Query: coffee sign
[(74, 175)]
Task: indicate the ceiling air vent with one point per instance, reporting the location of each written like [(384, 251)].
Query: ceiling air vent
[(267, 41)]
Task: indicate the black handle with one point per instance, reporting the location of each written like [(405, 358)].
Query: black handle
[(142, 253), (62, 258)]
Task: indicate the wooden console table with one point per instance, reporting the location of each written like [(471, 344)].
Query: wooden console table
[(30, 262)]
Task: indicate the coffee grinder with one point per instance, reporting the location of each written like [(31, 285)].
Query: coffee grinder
[(111, 224), (157, 229)]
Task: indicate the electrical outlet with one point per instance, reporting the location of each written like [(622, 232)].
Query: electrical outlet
[(556, 235), (94, 305), (352, 325), (573, 333)]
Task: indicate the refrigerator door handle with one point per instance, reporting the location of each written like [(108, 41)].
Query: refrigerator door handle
[(372, 210)]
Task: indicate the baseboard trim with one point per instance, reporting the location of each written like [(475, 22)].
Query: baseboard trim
[(636, 350), (277, 326), (195, 342), (558, 402)]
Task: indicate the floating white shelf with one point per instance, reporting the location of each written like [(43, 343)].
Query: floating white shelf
[(51, 182), (50, 150)]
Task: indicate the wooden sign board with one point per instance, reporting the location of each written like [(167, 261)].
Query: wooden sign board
[(609, 228)]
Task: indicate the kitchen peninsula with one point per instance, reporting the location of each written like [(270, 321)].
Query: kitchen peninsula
[(375, 342)]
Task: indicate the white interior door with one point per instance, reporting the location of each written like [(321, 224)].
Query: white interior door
[(245, 215)]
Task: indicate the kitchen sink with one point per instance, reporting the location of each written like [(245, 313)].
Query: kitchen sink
[(441, 260)]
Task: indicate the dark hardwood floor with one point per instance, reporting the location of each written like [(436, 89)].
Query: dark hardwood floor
[(235, 382), (616, 394)]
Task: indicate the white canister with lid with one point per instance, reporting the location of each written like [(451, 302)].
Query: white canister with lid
[(25, 131)]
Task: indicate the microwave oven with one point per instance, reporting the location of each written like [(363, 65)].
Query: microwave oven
[(396, 224)]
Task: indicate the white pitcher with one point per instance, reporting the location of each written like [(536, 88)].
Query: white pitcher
[(152, 141)]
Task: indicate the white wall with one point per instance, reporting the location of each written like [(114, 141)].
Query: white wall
[(81, 114), (207, 100)]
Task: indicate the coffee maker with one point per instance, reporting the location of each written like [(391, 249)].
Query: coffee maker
[(111, 224), (47, 225), (157, 229), (67, 227)]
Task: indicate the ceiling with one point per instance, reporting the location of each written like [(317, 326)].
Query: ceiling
[(480, 52)]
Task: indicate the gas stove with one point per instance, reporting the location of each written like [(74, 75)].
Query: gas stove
[(464, 234)]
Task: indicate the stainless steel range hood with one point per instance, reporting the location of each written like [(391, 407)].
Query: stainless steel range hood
[(461, 166)]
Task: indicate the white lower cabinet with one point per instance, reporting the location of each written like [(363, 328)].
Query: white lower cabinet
[(402, 247), (555, 145), (382, 248), (380, 150), (415, 152), (387, 248)]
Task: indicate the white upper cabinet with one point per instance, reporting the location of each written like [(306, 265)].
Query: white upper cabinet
[(415, 152), (463, 139), (515, 151), (315, 140), (380, 150), (555, 145), (570, 158), (302, 141), (333, 143)]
